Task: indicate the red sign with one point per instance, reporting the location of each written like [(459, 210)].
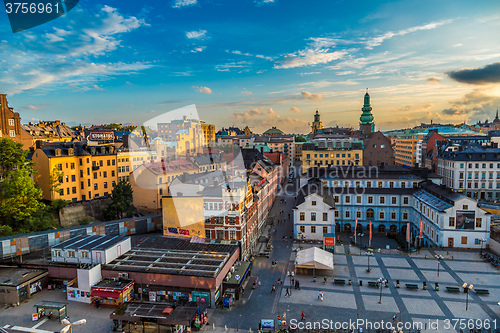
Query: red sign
[(421, 229), (101, 136), (329, 241)]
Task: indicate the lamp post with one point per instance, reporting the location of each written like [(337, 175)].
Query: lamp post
[(482, 240), (381, 281), (467, 287), (69, 325), (439, 258)]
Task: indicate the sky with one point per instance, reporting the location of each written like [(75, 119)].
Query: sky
[(259, 63)]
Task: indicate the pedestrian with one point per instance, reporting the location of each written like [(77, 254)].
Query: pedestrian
[(325, 279), (303, 316), (298, 285), (259, 283), (293, 281), (287, 292), (279, 280), (273, 289)]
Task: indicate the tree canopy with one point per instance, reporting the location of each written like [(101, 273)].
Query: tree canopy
[(121, 205)]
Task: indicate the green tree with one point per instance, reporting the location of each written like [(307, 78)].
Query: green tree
[(55, 179), (121, 205), (20, 198), (299, 138)]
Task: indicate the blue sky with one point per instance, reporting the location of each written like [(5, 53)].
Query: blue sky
[(259, 63)]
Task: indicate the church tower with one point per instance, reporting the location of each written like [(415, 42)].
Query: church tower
[(317, 124), (366, 124)]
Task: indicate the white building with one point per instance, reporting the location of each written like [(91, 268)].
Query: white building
[(313, 214), (91, 249)]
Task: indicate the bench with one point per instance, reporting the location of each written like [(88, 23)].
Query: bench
[(338, 281), (482, 291), (411, 286), (453, 289), (373, 284)]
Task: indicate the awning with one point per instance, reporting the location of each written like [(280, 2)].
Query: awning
[(314, 257), (105, 294)]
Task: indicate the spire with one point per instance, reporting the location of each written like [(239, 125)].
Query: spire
[(366, 119)]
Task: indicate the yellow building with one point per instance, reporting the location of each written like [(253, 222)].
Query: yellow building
[(150, 182), (313, 156), (75, 171), (208, 132), (50, 131), (128, 161), (405, 150)]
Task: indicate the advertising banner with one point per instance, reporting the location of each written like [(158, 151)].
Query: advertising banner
[(465, 219)]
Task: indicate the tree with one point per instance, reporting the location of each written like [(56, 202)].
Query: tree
[(20, 198), (121, 205), (55, 179), (299, 138)]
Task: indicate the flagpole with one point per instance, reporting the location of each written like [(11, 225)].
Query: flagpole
[(370, 241), (355, 229)]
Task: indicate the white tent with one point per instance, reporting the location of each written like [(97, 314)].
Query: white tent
[(315, 258)]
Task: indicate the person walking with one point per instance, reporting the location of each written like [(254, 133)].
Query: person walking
[(273, 289), (298, 285), (325, 280), (302, 316), (287, 292), (279, 280)]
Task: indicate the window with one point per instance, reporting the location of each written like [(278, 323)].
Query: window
[(394, 200), (347, 199), (382, 215), (382, 200), (358, 214), (61, 192), (101, 163), (465, 207), (11, 122), (112, 173), (73, 190), (393, 216), (302, 229), (95, 187), (464, 240), (358, 199), (405, 200), (81, 185), (451, 222), (12, 133), (109, 162), (391, 184), (479, 222), (337, 213), (302, 216), (95, 175), (370, 214), (313, 216), (71, 254), (405, 215), (105, 184), (112, 162), (325, 216), (370, 200), (105, 174), (314, 203), (73, 178), (380, 184), (208, 234), (313, 229), (325, 230), (368, 184), (347, 214)]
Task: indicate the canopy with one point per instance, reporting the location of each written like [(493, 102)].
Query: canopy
[(314, 257)]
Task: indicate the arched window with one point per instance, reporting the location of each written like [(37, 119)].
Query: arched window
[(370, 214)]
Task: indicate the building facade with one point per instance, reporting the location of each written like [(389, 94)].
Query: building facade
[(10, 124), (313, 216)]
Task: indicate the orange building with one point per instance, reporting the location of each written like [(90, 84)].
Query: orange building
[(10, 124)]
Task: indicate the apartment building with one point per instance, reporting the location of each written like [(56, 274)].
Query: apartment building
[(50, 131), (87, 172), (128, 161), (10, 124), (338, 152)]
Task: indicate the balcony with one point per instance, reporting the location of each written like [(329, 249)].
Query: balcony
[(95, 167)]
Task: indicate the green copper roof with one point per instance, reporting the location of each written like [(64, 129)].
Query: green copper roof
[(366, 116)]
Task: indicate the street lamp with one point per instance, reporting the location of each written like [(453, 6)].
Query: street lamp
[(381, 281), (439, 258), (482, 240), (69, 325), (467, 287)]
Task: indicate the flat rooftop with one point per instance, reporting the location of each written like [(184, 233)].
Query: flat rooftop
[(14, 276), (112, 283), (167, 255), (180, 315), (90, 242)]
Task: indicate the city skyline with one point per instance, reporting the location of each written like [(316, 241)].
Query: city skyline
[(258, 63)]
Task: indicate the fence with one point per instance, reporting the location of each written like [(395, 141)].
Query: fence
[(18, 245)]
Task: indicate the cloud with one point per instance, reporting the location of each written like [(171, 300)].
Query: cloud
[(198, 49), (265, 2), (487, 74), (432, 80), (260, 56), (294, 109), (196, 34), (248, 114), (479, 103), (231, 65), (376, 41), (309, 57), (32, 107), (70, 57), (184, 3), (203, 90), (97, 87), (312, 96), (246, 92)]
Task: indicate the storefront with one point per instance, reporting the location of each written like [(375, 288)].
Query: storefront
[(19, 284), (236, 279), (112, 292), (136, 317)]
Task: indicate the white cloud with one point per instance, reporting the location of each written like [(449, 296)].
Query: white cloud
[(248, 114), (310, 57), (312, 96), (203, 90), (196, 34), (198, 49), (97, 87), (231, 65), (246, 92), (294, 109), (184, 3), (32, 107), (250, 54), (376, 41)]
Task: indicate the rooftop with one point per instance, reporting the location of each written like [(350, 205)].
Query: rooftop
[(113, 283), (90, 242), (14, 276)]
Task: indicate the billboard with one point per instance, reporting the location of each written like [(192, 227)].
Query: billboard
[(183, 216), (465, 219), (101, 136)]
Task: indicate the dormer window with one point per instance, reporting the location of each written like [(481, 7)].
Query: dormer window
[(71, 152), (103, 150), (58, 152)]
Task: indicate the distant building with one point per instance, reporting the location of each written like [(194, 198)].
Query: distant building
[(317, 124), (50, 131), (10, 124), (281, 143), (366, 124), (208, 132), (273, 131), (334, 152)]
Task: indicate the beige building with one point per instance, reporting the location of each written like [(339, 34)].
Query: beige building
[(128, 161), (321, 154)]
